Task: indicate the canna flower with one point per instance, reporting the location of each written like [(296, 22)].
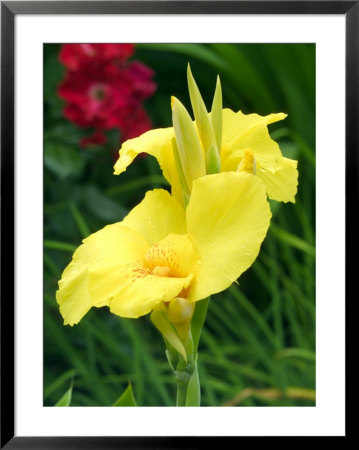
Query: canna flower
[(164, 256), (228, 141)]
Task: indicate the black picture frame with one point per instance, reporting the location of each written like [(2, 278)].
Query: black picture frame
[(9, 10)]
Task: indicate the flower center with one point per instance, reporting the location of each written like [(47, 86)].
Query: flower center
[(162, 271), (173, 256), (98, 92), (87, 49)]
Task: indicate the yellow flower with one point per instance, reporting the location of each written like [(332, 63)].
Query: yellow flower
[(161, 252), (221, 140), (248, 135), (241, 133)]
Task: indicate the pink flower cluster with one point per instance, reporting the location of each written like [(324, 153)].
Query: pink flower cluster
[(104, 90)]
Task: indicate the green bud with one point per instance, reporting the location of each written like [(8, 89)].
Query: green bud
[(185, 189), (212, 160), (180, 310), (189, 146), (204, 125), (216, 114), (161, 322)]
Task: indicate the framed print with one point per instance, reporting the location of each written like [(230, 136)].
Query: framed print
[(174, 260)]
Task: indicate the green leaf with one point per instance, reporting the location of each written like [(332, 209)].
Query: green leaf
[(199, 316), (63, 161), (127, 398), (198, 51), (295, 353), (53, 71), (59, 381), (65, 400), (79, 219), (56, 245), (292, 240), (101, 206)]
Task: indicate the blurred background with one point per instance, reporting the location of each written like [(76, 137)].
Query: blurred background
[(258, 344)]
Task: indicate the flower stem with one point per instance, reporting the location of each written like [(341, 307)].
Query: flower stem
[(198, 319), (184, 364), (188, 387), (181, 393)]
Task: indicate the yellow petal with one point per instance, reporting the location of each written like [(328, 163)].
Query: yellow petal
[(138, 296), (238, 124), (91, 278), (154, 142), (281, 185), (258, 141), (227, 218), (168, 269), (156, 216), (158, 144), (121, 256), (110, 268), (73, 295)]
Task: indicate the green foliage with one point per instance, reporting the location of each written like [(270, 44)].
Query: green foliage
[(257, 347), (63, 161), (65, 400), (127, 398)]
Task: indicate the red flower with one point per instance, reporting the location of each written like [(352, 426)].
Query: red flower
[(104, 92), (77, 56)]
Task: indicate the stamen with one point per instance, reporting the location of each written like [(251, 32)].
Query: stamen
[(248, 163)]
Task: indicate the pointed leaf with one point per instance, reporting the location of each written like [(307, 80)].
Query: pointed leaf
[(212, 160), (169, 333), (127, 398), (189, 146), (185, 189), (200, 112), (216, 114), (65, 400)]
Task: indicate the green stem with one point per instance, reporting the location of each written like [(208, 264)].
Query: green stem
[(188, 387), (181, 393), (184, 363), (193, 395), (198, 319), (188, 384)]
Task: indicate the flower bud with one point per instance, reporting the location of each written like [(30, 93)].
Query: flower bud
[(188, 143), (180, 310), (216, 114)]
